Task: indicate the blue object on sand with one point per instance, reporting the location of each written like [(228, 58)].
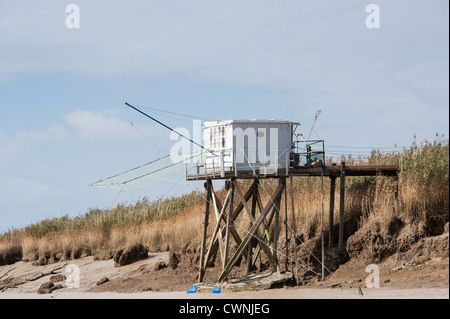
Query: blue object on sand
[(216, 290), (192, 290)]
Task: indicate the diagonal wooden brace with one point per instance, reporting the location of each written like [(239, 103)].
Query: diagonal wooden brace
[(257, 235), (219, 210), (220, 215), (275, 197)]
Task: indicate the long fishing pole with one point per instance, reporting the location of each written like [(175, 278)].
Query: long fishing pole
[(168, 127), (315, 119)]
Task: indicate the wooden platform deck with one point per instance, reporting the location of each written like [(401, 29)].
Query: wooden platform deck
[(328, 170)]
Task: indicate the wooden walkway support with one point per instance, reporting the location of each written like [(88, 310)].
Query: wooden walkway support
[(331, 215), (255, 240), (294, 230), (342, 207), (271, 206), (264, 219), (208, 187)]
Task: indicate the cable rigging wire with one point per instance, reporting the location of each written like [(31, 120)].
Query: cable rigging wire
[(140, 132), (166, 126), (338, 150), (170, 112)]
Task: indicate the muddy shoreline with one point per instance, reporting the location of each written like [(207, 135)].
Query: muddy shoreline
[(406, 260)]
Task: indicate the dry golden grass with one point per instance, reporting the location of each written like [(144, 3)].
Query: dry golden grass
[(177, 222)]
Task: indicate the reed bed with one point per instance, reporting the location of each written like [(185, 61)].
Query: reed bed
[(422, 193)]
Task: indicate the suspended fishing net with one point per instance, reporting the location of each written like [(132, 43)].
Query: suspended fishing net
[(150, 174)]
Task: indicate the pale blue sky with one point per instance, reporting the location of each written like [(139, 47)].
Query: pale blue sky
[(63, 124)]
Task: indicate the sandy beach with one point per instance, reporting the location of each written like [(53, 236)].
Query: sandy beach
[(90, 272), (289, 293)]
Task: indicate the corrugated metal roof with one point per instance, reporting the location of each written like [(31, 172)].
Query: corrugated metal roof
[(253, 121)]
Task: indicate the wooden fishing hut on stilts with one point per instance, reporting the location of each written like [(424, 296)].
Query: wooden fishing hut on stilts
[(258, 150)]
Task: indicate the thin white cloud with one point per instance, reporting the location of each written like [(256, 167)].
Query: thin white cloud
[(22, 191), (11, 146), (95, 126), (54, 133)]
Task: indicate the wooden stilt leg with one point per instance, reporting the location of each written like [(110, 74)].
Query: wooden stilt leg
[(295, 232), (286, 261), (205, 229), (342, 207), (331, 215), (251, 244), (277, 224), (229, 224), (322, 230)]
